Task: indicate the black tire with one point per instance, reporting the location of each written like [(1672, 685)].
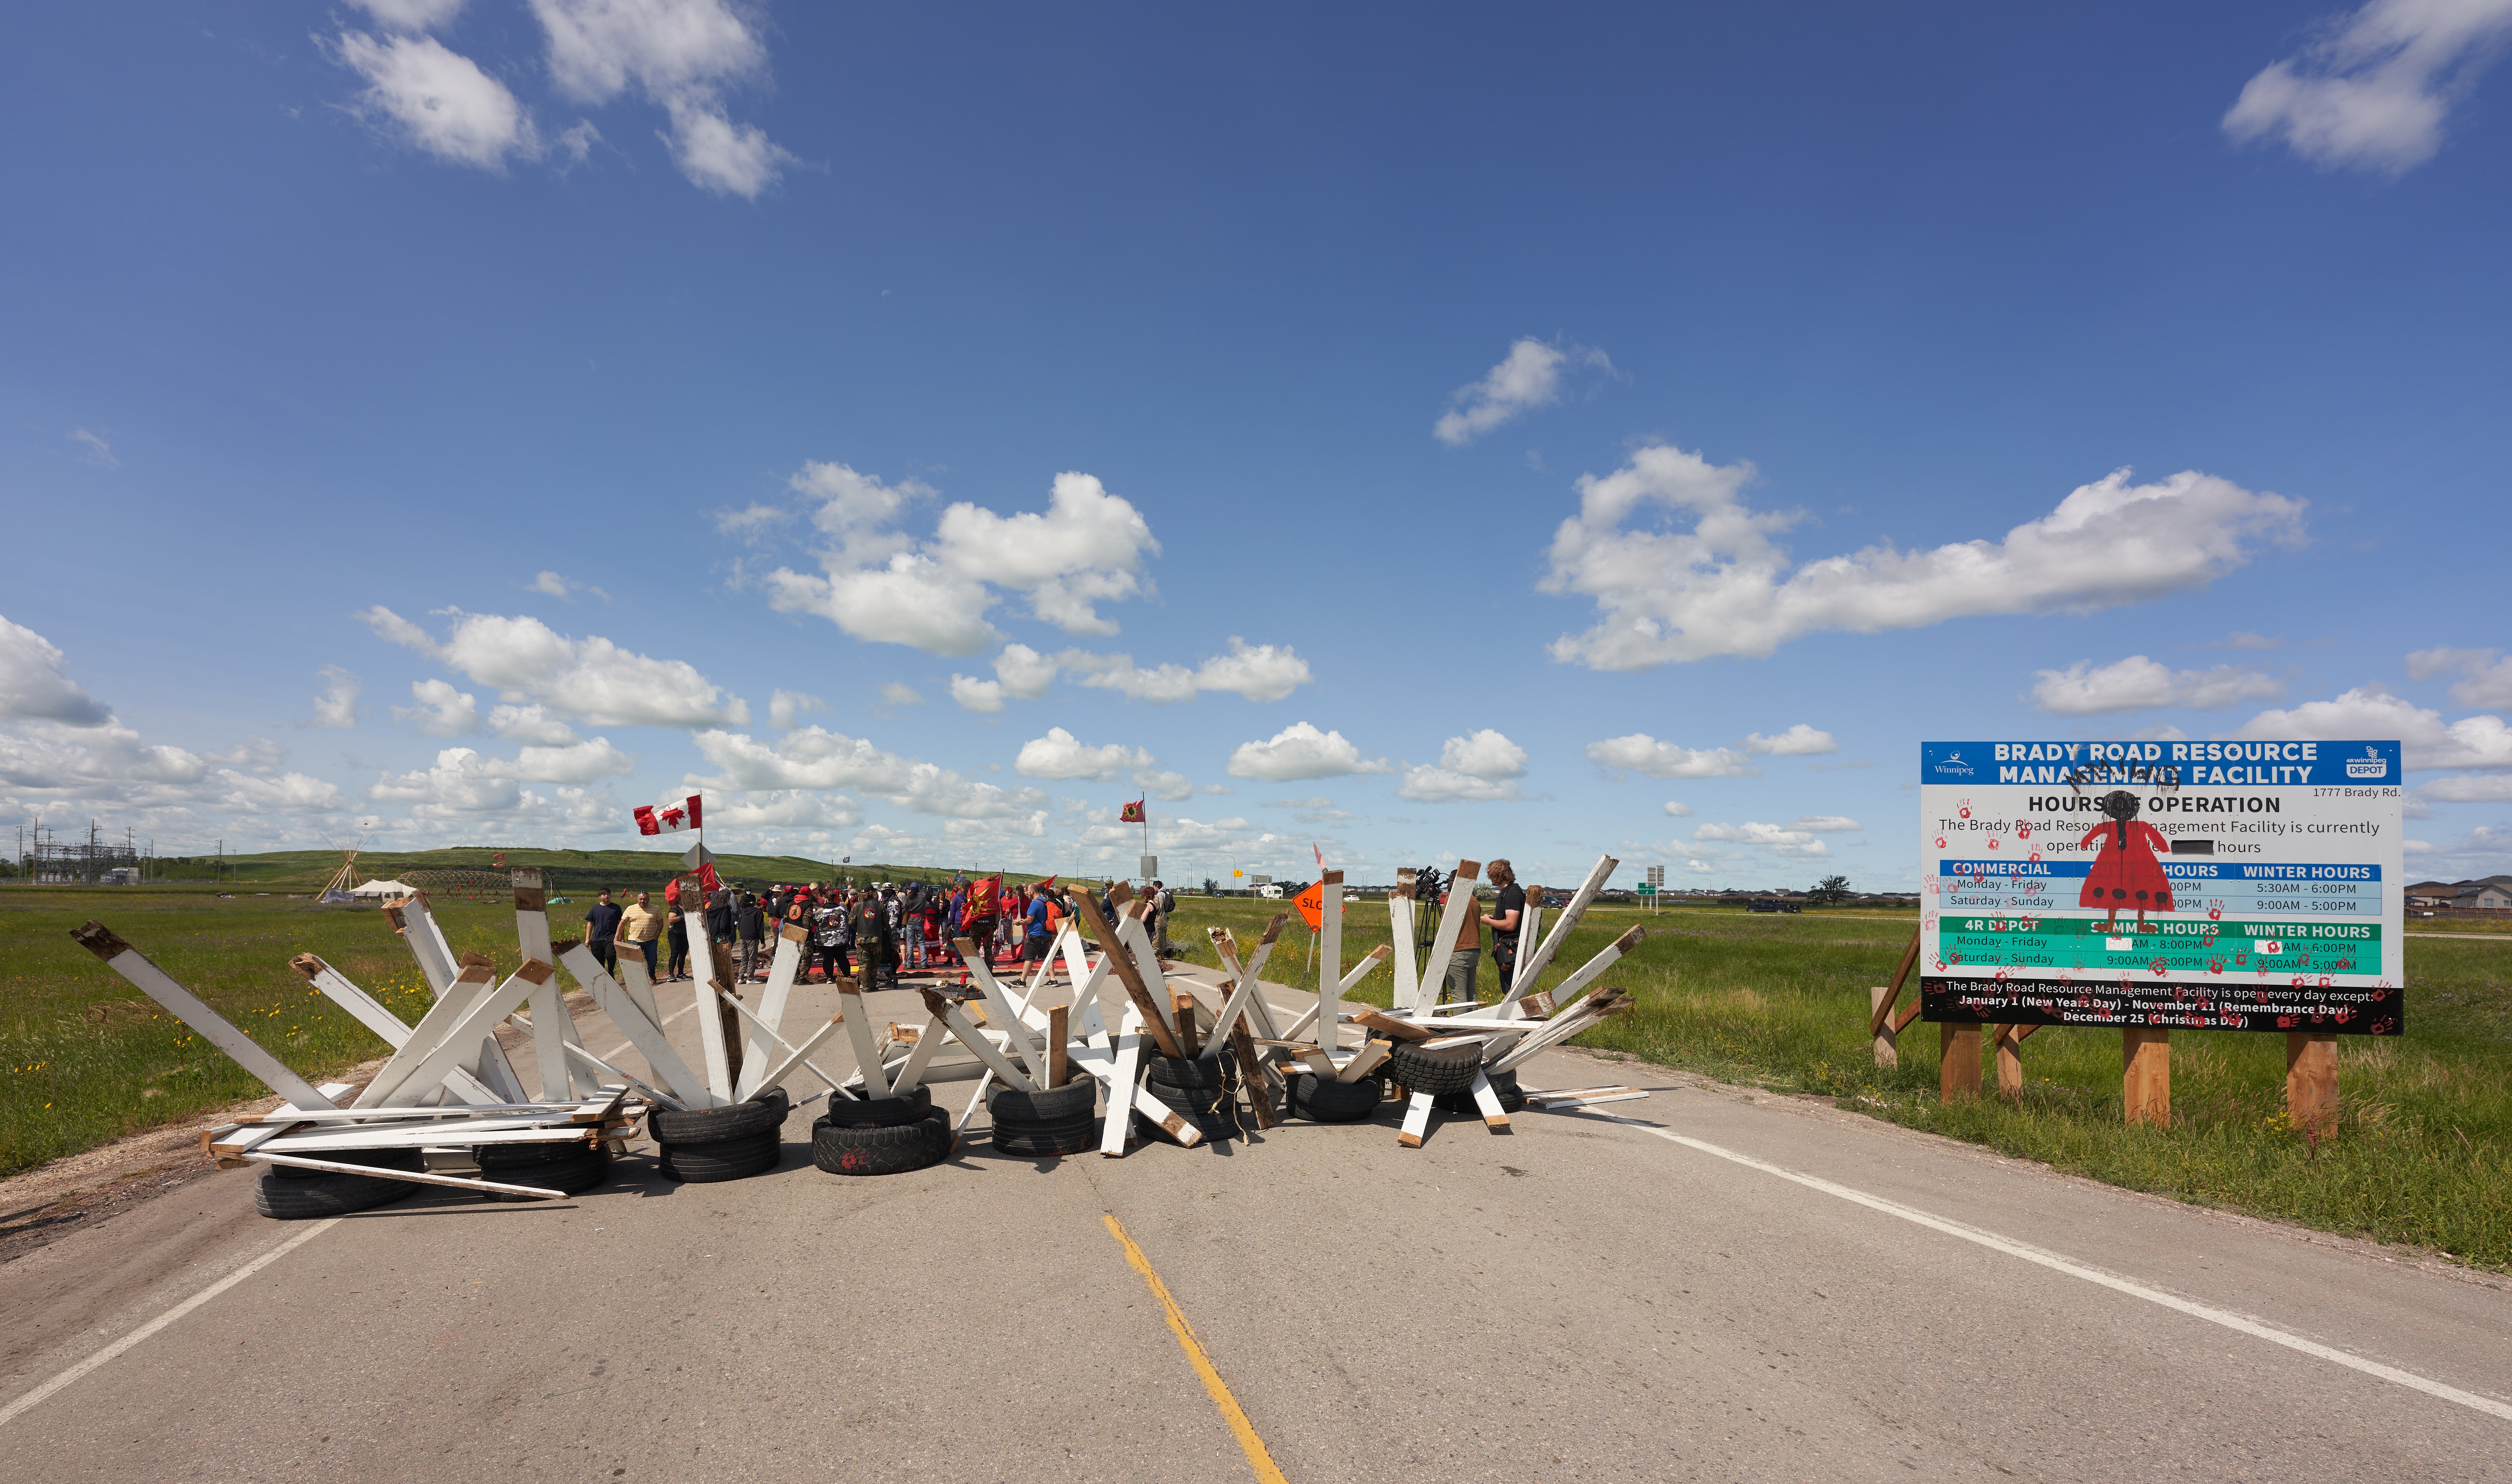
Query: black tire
[(1193, 1071), (1504, 1083), (1449, 1069), (589, 1168), (1194, 1099), (1322, 1100), (721, 1159), (880, 1112), (372, 1159), (1079, 1095), (524, 1157), (1048, 1141), (892, 1151), (764, 1114), (324, 1194)]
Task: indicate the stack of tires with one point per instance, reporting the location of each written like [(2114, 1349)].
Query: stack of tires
[(1206, 1091), (293, 1192), (1048, 1123), (881, 1136), (704, 1144), (1512, 1096), (1444, 1073), (1323, 1100), (571, 1166)]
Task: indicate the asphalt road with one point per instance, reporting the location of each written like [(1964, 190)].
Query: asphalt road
[(1581, 1298)]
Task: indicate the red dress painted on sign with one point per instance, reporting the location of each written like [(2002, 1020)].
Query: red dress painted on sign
[(2126, 873)]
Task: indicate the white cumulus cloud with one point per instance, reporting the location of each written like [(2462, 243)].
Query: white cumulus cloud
[(2486, 682), (2374, 91), (1301, 750), (1678, 809), (1060, 754), (1640, 752), (681, 55), (1798, 741), (812, 758), (2136, 683), (879, 584), (336, 703), (437, 99), (2371, 713), (34, 687), (1780, 840), (1528, 378), (591, 680), (442, 711), (1726, 587)]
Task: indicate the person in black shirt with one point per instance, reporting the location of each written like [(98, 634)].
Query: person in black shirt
[(1509, 909), (678, 936), (751, 924), (601, 927)]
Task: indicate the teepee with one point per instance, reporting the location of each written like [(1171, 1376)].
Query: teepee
[(337, 890)]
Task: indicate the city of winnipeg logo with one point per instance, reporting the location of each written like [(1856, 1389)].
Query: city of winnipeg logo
[(1952, 763), (2370, 765)]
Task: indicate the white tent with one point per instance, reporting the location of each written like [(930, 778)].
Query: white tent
[(384, 889)]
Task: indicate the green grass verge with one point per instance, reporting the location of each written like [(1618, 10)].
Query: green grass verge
[(2423, 1153)]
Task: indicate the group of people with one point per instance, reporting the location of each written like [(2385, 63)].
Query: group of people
[(866, 933)]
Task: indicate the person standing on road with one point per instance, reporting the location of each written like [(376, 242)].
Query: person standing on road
[(601, 928), (872, 940), (751, 923), (678, 935), (831, 933), (719, 926), (1509, 909), (1462, 954), (1039, 930), (640, 927)]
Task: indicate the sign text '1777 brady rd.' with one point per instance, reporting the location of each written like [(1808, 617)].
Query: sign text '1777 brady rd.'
[(2205, 885)]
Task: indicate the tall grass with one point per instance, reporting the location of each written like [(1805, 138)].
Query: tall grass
[(2422, 1153)]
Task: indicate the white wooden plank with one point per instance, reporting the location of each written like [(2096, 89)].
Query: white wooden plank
[(1560, 1028), (1399, 930), (1365, 1061), (550, 1021), (1417, 1121), (911, 1072), (1452, 917), (776, 1042), (1586, 974), (442, 1023), (1000, 1006), (716, 1055), (1180, 1127), (1530, 937), (363, 1006), (1329, 956), (431, 1135), (782, 970), (1128, 1042), (1532, 964), (976, 1042), (416, 924), (641, 1030), (489, 1009), (858, 1023), (494, 1068), (633, 978), (1495, 1117), (415, 1177), (591, 1069)]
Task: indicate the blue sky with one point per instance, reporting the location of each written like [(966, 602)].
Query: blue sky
[(1419, 431)]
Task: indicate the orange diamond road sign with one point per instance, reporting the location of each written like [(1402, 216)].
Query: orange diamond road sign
[(1312, 903)]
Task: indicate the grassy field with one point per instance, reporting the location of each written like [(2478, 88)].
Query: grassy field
[(582, 872), (2424, 1155)]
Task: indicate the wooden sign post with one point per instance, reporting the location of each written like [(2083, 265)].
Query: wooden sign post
[(2145, 1083), (2311, 1081)]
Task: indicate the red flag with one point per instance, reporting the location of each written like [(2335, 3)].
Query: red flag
[(498, 859), (687, 814), (707, 877), (1131, 814), (672, 893)]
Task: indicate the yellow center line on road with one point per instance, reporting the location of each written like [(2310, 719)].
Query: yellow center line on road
[(1232, 1413)]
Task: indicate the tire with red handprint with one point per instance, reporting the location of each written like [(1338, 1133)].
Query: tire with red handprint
[(892, 1151)]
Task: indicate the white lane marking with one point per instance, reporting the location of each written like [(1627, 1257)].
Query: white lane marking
[(9, 1412), (2053, 1261)]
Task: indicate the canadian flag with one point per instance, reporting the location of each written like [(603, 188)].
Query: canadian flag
[(687, 814)]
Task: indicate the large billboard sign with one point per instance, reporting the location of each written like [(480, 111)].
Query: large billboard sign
[(2201, 885)]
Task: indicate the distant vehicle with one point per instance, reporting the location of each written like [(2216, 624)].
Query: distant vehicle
[(1772, 904), (1270, 893)]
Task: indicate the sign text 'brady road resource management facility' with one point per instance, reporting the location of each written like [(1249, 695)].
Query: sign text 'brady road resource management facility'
[(2202, 885)]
